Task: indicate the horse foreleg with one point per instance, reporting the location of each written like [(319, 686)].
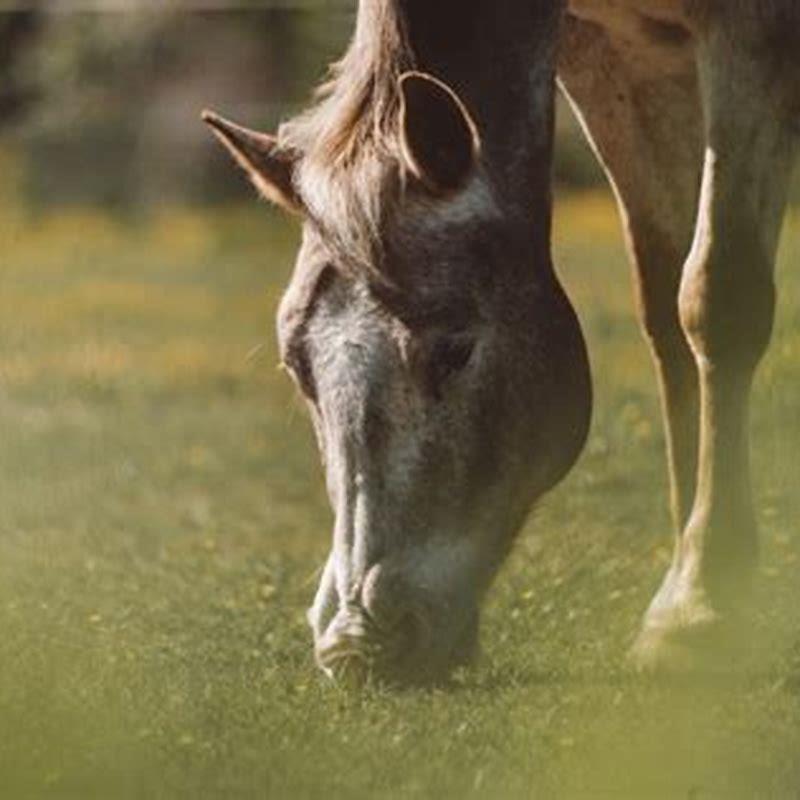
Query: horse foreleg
[(644, 120), (726, 304)]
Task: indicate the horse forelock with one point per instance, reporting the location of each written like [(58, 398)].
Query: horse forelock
[(350, 172), (349, 204)]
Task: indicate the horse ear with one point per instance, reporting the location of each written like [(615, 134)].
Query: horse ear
[(439, 140), (270, 168)]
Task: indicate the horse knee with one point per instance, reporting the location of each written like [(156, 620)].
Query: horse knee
[(663, 331), (726, 304), (657, 305)]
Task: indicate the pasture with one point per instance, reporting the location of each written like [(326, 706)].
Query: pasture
[(162, 519)]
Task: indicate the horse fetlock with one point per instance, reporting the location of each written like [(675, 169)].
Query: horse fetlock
[(699, 609), (682, 629), (717, 566), (681, 602)]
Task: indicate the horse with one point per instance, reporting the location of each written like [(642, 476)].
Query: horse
[(443, 365)]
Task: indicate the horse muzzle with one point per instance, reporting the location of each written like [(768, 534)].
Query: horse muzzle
[(356, 647)]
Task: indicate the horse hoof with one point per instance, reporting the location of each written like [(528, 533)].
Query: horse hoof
[(712, 646)]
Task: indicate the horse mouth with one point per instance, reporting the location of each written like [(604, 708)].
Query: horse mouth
[(356, 648)]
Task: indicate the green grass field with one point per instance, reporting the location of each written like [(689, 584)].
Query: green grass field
[(162, 519)]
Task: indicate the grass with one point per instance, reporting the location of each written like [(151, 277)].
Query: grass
[(162, 521)]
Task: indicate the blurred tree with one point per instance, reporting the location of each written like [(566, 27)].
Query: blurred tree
[(17, 34), (118, 122)]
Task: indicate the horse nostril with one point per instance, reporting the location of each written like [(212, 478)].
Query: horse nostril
[(350, 646)]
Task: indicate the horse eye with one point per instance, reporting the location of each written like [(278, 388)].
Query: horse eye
[(297, 365), (451, 355)]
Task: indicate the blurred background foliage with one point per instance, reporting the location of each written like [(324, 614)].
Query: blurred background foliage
[(102, 107)]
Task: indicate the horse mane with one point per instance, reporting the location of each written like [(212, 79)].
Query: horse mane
[(348, 141)]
